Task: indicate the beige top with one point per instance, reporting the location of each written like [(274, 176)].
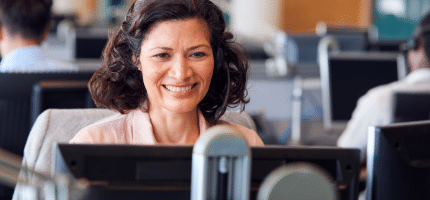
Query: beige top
[(135, 128)]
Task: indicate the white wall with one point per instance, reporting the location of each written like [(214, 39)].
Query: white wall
[(256, 18)]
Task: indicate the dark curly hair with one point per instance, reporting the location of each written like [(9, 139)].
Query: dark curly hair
[(118, 84)]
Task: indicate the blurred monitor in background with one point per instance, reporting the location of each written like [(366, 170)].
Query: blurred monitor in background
[(90, 43)]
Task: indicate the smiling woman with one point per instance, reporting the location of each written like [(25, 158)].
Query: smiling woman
[(177, 62), (171, 70)]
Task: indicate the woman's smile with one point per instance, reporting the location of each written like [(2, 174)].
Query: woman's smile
[(172, 88)]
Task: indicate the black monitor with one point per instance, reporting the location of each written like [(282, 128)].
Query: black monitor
[(15, 104), (59, 94), (398, 161), (15, 115), (164, 172), (411, 106), (346, 76), (90, 43)]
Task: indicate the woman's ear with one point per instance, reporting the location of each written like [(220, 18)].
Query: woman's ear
[(136, 61)]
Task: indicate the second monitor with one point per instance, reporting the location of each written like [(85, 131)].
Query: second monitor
[(349, 75)]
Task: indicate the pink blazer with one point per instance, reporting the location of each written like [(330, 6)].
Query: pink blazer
[(135, 128)]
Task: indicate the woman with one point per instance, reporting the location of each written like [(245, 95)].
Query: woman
[(170, 71)]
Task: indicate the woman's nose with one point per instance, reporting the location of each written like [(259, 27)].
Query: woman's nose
[(181, 70)]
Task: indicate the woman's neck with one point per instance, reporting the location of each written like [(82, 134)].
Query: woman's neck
[(174, 128)]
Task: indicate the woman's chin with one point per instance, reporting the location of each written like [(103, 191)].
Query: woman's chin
[(182, 108)]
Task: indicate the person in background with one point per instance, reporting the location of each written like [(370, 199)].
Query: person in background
[(24, 25), (170, 70), (374, 108)]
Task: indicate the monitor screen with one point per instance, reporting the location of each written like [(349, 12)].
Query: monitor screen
[(349, 75), (411, 106), (90, 42), (90, 48), (398, 161), (164, 172), (15, 104), (59, 94)]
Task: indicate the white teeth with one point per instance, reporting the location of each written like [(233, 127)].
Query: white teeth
[(178, 89)]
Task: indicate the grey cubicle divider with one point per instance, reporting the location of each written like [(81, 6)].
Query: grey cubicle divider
[(307, 47)]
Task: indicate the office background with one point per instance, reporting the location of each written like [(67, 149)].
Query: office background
[(282, 38)]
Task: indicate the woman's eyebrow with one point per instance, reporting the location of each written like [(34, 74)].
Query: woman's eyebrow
[(171, 49), (198, 46), (163, 48)]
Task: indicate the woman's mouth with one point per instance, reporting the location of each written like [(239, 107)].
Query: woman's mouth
[(179, 89)]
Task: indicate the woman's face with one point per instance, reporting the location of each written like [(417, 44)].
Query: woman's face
[(177, 63)]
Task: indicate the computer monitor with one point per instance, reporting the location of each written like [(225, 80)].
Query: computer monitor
[(411, 106), (90, 43), (164, 172), (346, 76), (59, 94), (398, 161), (15, 103), (15, 114)]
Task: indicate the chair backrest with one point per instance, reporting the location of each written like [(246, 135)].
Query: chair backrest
[(61, 125), (411, 106)]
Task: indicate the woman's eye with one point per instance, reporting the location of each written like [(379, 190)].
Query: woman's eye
[(162, 55), (198, 54)]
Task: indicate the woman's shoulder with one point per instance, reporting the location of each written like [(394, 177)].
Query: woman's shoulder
[(106, 130), (249, 135)]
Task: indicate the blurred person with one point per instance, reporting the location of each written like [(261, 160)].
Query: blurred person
[(170, 70), (24, 26), (374, 108)]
